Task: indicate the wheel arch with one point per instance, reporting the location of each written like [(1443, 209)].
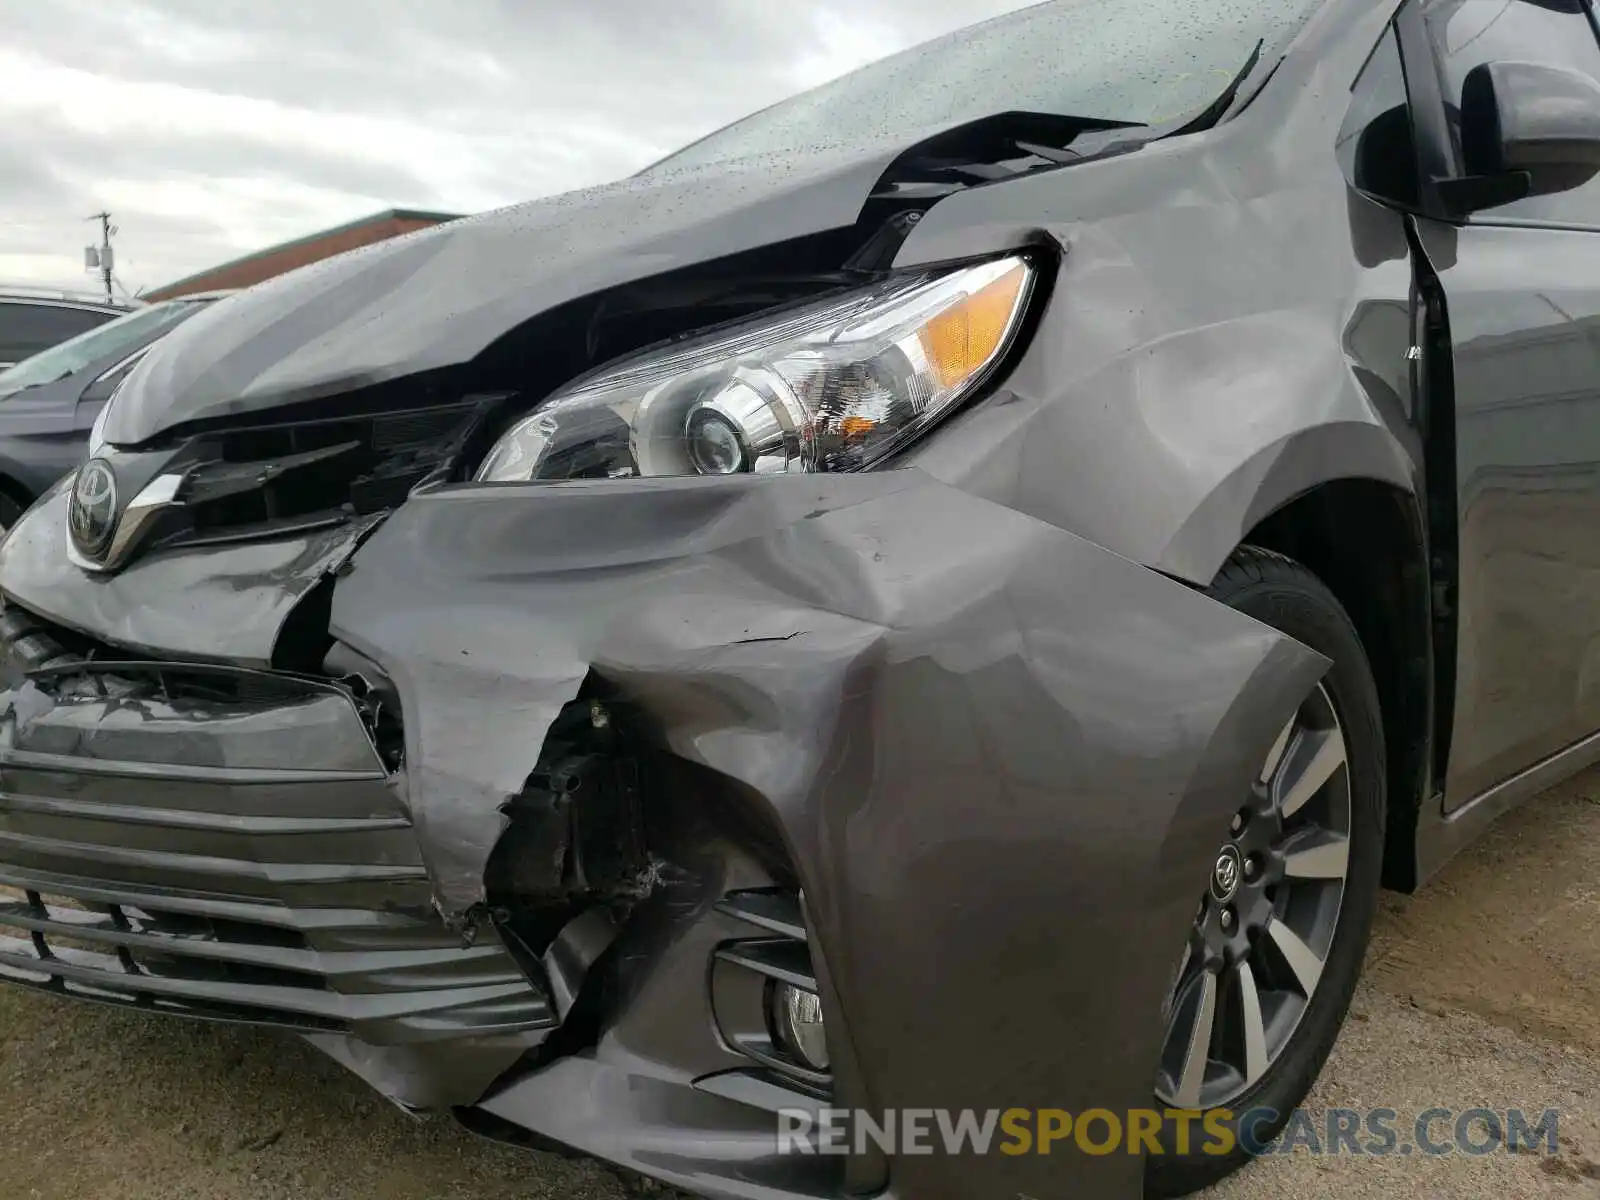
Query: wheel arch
[(1277, 476), (1366, 540)]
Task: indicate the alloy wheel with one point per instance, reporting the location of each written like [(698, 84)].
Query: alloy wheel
[(1265, 926)]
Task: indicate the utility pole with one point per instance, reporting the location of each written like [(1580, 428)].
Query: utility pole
[(101, 256)]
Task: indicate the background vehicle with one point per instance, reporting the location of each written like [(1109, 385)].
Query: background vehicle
[(32, 320), (953, 593), (49, 402)]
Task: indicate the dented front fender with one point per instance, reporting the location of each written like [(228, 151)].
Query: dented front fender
[(999, 757)]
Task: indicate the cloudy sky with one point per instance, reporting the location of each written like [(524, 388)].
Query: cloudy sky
[(212, 128)]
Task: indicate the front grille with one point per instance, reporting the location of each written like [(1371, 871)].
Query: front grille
[(263, 476), (305, 472), (225, 844)]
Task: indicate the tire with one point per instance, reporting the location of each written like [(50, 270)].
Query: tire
[(1285, 595)]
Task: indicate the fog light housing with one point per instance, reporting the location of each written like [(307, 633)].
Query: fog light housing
[(797, 1025)]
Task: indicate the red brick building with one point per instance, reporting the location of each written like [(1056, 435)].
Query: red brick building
[(275, 260)]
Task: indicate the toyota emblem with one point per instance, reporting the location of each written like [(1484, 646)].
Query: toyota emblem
[(92, 514), (1225, 875)]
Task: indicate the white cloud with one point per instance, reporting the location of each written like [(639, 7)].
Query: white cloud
[(842, 44), (212, 128)]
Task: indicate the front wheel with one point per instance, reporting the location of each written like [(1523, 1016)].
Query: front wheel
[(1264, 980)]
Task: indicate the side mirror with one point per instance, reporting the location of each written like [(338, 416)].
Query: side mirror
[(1527, 129)]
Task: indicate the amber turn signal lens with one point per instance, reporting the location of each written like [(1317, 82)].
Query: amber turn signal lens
[(964, 338)]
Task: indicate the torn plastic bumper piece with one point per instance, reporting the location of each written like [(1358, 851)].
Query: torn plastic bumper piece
[(969, 729)]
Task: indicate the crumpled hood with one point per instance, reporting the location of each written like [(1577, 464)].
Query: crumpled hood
[(441, 296)]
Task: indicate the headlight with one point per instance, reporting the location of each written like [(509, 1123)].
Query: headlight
[(832, 387)]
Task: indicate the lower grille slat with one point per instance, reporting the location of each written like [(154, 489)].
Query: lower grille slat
[(174, 901), (105, 930), (784, 960), (20, 847), (175, 818), (154, 854)]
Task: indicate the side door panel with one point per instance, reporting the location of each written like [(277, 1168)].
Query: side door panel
[(1522, 287), (1524, 308)]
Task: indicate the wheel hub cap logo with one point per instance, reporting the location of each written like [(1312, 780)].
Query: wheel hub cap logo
[(1225, 875), (92, 514)]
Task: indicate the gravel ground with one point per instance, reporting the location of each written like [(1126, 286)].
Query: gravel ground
[(1483, 990)]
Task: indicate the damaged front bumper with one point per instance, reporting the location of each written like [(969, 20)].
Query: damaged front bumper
[(224, 844), (632, 725)]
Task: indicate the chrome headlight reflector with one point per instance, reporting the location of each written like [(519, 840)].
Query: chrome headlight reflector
[(834, 386)]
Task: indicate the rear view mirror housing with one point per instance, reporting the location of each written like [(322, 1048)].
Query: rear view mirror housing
[(1527, 129)]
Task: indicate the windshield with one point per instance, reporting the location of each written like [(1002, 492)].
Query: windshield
[(125, 334), (1138, 61)]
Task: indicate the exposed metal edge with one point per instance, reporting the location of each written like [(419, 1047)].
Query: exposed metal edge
[(181, 818), (33, 760)]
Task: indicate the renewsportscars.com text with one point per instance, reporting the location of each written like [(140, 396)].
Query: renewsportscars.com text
[(1016, 1131)]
